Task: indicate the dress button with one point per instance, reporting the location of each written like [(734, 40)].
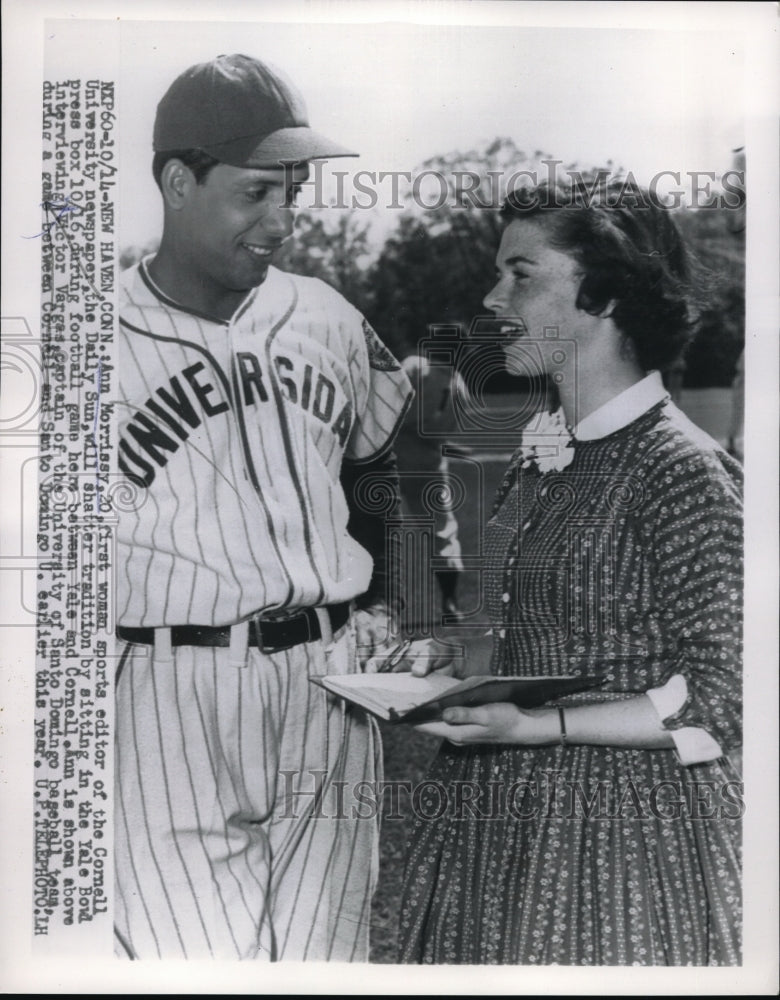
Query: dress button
[(505, 597), (526, 526)]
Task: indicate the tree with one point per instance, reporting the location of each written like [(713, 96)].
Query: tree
[(334, 245)]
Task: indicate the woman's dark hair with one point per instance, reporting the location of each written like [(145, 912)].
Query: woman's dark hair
[(200, 163), (633, 258)]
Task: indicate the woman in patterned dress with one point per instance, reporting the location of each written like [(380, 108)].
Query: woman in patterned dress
[(603, 829)]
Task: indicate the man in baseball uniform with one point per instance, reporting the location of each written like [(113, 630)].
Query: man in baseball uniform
[(251, 402)]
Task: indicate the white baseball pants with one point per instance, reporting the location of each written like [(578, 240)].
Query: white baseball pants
[(236, 832)]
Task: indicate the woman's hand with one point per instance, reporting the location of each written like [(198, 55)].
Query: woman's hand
[(633, 724), (500, 722), (421, 657), (372, 628), (426, 656)]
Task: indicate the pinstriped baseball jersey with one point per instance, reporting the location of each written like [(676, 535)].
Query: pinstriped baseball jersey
[(237, 431)]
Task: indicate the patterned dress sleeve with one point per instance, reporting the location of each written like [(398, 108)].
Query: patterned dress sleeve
[(693, 745), (697, 562)]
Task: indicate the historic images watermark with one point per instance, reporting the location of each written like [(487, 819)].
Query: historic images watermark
[(433, 189), (546, 795)]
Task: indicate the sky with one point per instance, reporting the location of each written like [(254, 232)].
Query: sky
[(649, 100)]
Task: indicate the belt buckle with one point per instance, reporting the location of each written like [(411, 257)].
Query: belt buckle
[(279, 647), (257, 625)]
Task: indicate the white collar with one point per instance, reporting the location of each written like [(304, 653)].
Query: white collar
[(622, 409)]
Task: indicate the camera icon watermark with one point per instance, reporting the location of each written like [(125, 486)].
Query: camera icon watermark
[(23, 367), (456, 395)]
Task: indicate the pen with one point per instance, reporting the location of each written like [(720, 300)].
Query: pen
[(395, 656)]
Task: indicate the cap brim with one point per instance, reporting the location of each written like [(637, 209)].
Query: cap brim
[(287, 145)]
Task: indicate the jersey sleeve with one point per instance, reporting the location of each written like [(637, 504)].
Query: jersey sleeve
[(698, 558), (383, 394)]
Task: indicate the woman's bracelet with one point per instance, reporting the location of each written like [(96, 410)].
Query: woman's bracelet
[(562, 718)]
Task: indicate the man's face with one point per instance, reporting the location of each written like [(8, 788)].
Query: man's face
[(230, 225)]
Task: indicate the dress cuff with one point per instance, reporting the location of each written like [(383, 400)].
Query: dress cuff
[(693, 745)]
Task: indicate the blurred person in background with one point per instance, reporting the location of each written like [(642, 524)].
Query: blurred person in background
[(424, 468)]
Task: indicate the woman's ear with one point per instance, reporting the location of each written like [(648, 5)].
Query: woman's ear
[(596, 295), (608, 309), (176, 182)]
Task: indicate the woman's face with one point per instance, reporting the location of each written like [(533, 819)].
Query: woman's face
[(535, 296)]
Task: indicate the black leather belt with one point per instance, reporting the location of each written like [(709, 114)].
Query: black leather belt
[(267, 634)]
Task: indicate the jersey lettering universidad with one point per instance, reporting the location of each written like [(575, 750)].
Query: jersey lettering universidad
[(234, 433)]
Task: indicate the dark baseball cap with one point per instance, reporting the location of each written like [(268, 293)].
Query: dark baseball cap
[(242, 112)]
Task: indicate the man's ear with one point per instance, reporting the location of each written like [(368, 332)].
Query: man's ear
[(176, 183)]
